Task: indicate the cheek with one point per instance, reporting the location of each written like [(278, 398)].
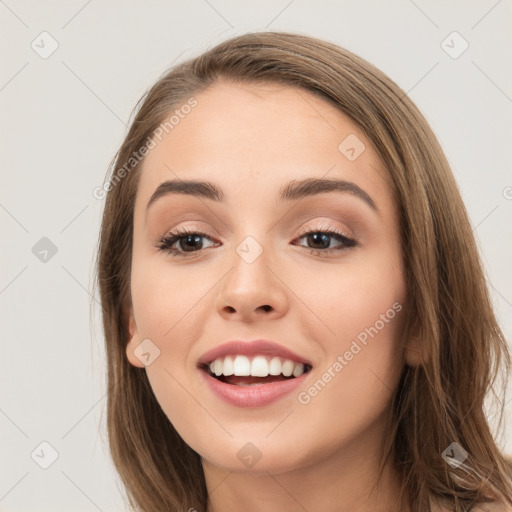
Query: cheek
[(166, 305), (364, 353), (163, 299), (363, 360), (357, 296), (362, 306)]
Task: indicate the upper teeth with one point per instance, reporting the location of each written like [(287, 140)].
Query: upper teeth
[(258, 366)]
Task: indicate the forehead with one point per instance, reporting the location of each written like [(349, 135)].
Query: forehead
[(253, 138)]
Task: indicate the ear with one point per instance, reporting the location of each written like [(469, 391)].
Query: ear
[(133, 342), (413, 352)]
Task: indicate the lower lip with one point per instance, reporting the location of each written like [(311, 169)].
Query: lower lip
[(258, 395)]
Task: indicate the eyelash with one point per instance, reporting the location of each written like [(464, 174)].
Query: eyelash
[(165, 243)]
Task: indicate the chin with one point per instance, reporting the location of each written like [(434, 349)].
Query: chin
[(259, 459)]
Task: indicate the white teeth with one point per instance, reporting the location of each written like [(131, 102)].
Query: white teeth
[(287, 368), (274, 367), (217, 367), (298, 370), (257, 366), (242, 366), (229, 368)]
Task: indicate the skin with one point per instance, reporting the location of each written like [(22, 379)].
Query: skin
[(250, 141)]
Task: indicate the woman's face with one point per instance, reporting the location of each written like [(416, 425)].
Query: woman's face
[(314, 267)]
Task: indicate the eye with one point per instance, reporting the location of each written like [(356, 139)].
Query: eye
[(185, 240), (321, 240)]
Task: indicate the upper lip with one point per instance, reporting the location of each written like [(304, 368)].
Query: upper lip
[(250, 348)]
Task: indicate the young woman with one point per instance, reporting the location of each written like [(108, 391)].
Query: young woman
[(294, 309)]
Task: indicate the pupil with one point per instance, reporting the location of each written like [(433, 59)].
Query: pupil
[(324, 240), (192, 239)]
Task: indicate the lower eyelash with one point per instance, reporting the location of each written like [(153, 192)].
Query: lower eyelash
[(165, 243)]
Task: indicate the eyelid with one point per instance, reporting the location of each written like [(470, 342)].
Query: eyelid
[(312, 225), (190, 227), (325, 225)]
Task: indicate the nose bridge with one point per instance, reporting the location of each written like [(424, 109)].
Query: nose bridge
[(251, 286), (250, 267)]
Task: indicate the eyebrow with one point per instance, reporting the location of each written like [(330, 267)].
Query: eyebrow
[(296, 189)]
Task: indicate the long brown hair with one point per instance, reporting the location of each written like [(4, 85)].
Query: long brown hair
[(438, 402)]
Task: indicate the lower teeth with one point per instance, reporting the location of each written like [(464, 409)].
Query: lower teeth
[(246, 384)]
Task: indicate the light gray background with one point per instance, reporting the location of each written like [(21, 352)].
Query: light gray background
[(62, 120)]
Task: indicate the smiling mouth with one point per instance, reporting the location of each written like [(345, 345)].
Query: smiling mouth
[(239, 370)]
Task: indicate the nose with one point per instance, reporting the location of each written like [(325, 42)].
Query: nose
[(252, 290)]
